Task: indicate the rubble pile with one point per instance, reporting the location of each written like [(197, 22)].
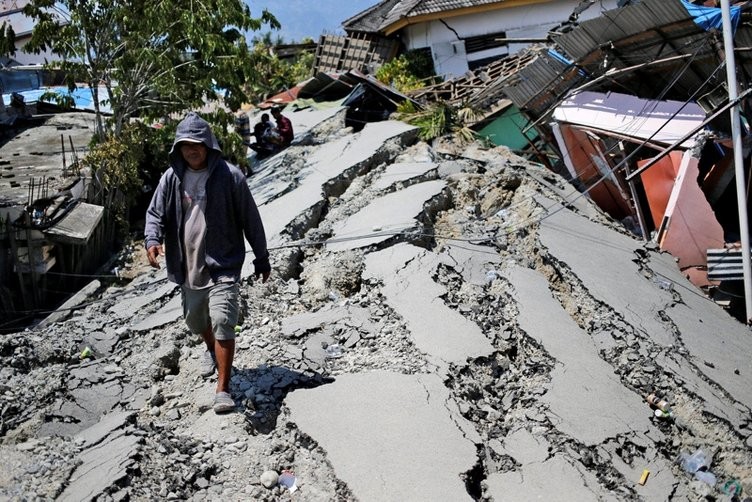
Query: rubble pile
[(443, 323)]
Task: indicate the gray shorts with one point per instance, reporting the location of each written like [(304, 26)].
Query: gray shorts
[(216, 306)]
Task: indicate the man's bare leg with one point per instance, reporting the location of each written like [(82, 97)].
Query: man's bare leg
[(225, 352)]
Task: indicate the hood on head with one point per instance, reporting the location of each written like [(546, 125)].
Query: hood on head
[(195, 129)]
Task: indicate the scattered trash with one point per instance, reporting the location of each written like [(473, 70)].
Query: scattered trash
[(662, 414), (693, 463), (333, 296), (732, 487), (502, 213), (491, 275), (288, 480), (86, 353), (662, 283), (644, 477), (238, 329), (269, 479), (333, 351), (659, 403), (706, 477), (698, 464)]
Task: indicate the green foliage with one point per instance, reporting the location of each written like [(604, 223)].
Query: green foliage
[(420, 63), (63, 101), (273, 74), (114, 163), (438, 120), (397, 74), (7, 40), (267, 39), (302, 68), (407, 72), (154, 58), (231, 143)]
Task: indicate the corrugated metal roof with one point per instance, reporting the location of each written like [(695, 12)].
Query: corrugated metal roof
[(622, 23), (653, 50)]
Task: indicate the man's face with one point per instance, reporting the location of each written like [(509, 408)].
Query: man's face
[(194, 154)]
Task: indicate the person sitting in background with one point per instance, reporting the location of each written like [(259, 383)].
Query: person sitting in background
[(284, 127), (263, 132)]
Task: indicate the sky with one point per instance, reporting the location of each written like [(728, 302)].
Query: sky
[(309, 18)]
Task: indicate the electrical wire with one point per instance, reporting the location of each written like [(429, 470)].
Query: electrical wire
[(547, 213)]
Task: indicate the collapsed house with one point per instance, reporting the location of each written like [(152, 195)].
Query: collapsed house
[(366, 98), (629, 107), (55, 223), (462, 35)]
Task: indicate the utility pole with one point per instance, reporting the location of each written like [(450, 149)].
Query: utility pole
[(741, 193)]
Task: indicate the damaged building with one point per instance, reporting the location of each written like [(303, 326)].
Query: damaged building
[(444, 321), (632, 108)]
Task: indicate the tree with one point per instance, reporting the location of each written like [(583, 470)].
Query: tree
[(7, 40), (154, 57)]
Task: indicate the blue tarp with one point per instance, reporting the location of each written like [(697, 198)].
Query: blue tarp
[(711, 17), (560, 57), (81, 97)]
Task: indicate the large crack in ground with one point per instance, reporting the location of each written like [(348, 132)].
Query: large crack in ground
[(187, 455)]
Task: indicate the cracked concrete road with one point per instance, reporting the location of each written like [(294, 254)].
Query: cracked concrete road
[(495, 342)]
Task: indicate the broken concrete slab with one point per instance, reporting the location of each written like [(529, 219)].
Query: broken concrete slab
[(582, 204), (720, 353), (477, 264), (77, 226), (581, 380), (64, 310), (170, 312), (567, 236), (389, 436), (327, 170), (326, 165), (661, 481), (331, 316), (126, 306), (83, 407), (552, 479), (101, 467), (106, 425), (384, 217), (101, 342), (401, 172), (442, 333)]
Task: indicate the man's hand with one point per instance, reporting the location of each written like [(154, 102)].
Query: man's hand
[(152, 253), (264, 276)]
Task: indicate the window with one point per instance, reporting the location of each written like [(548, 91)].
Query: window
[(483, 42)]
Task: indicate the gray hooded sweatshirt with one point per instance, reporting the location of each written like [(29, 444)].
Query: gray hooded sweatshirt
[(231, 212)]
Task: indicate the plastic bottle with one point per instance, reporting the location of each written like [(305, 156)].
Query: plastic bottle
[(706, 477), (659, 403), (693, 463), (333, 351)]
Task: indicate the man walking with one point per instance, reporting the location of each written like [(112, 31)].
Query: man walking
[(201, 211)]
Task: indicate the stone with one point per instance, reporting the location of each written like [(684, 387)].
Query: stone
[(269, 479)]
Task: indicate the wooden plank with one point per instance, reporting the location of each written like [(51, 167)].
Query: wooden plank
[(14, 253)]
